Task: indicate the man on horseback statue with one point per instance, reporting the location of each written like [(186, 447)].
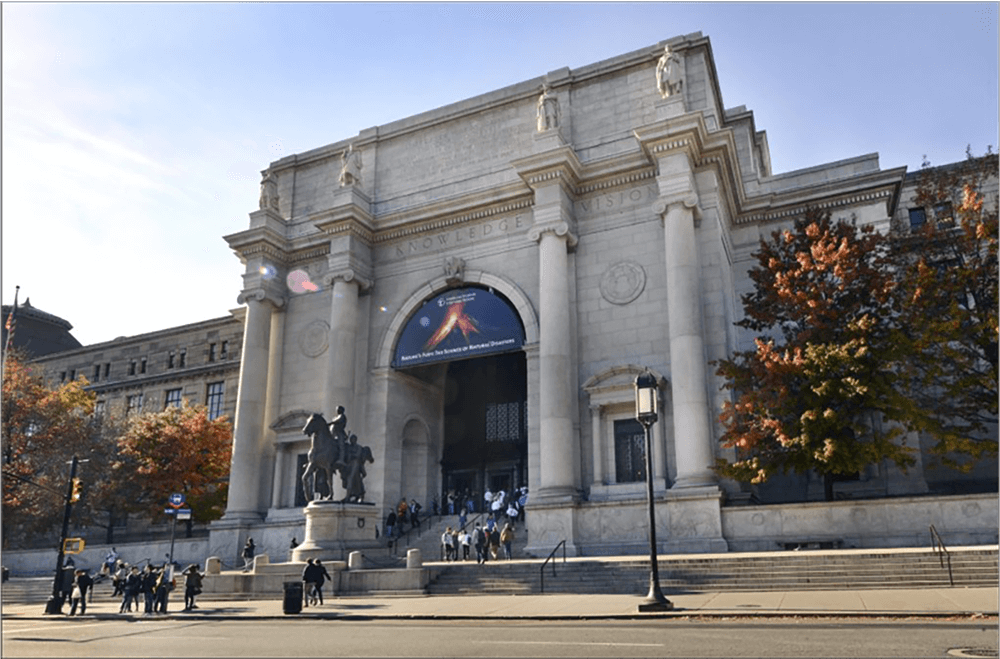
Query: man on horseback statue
[(331, 452)]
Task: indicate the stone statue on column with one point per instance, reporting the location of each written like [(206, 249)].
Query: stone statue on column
[(548, 110), (670, 73), (269, 191), (350, 168)]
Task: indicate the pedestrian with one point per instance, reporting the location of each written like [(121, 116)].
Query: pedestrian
[(401, 514), (435, 506), (147, 587), (446, 543), (415, 509), (81, 586), (321, 577), (164, 584), (390, 523), (479, 538), (110, 560), (451, 502), (462, 518), (118, 580), (466, 541), (309, 581), (192, 586), (131, 588), (249, 549), (494, 544), (507, 537)]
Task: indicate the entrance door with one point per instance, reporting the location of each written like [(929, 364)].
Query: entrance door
[(485, 425)]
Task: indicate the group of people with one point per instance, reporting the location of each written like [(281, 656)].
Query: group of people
[(497, 505), (150, 586), (314, 575), (404, 513), (486, 539)]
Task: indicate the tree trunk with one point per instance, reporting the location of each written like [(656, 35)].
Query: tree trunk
[(828, 486)]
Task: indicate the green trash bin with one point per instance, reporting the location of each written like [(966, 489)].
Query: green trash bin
[(293, 597)]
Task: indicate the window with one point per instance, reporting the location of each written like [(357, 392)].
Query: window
[(211, 352), (224, 350), (133, 404), (62, 376), (630, 451), (97, 372), (943, 214), (99, 407), (505, 422), (918, 216), (107, 371), (214, 400), (173, 398), (182, 358), (72, 374), (142, 365), (131, 367), (170, 359)]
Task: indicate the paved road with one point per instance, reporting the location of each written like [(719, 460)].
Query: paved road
[(664, 637)]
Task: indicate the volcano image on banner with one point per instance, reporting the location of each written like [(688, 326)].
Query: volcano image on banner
[(459, 324)]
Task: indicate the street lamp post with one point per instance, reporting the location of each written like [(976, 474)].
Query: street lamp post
[(646, 396)]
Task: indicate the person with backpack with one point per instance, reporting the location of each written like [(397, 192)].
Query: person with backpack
[(479, 538)]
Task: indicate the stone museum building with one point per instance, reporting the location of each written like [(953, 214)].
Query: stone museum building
[(479, 286)]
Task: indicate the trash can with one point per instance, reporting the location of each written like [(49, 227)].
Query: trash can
[(293, 597)]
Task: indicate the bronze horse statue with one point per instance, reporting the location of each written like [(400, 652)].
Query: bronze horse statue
[(325, 455)]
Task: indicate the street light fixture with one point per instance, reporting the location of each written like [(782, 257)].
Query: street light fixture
[(646, 398)]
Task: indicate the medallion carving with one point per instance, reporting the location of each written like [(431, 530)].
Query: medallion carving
[(315, 338), (623, 282)]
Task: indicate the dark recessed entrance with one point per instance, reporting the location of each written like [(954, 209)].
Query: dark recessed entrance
[(485, 425)]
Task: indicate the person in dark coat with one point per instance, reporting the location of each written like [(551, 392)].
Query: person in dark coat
[(309, 581), (321, 576), (132, 586), (147, 586), (192, 586), (81, 586)]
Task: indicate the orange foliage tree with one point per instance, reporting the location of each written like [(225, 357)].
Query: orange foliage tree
[(178, 450), (947, 309), (814, 391)]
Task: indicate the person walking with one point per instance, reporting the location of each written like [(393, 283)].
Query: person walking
[(164, 584), (466, 541), (415, 509), (118, 580), (192, 586), (479, 537), (507, 537), (321, 576), (390, 523), (446, 543), (131, 588), (495, 543), (147, 587), (82, 584), (309, 582), (249, 549)]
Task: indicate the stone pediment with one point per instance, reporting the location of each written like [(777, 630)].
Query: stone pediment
[(617, 384), (294, 420)]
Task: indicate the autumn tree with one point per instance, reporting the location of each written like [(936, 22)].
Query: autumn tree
[(42, 429), (814, 392), (947, 308), (178, 450)]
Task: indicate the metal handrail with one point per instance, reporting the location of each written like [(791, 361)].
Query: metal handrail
[(541, 571), (937, 544)]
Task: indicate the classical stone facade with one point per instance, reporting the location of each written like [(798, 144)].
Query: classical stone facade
[(198, 362), (614, 208)]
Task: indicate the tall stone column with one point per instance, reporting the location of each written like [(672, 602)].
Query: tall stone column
[(556, 386), (688, 376), (246, 502), (596, 444), (343, 337)]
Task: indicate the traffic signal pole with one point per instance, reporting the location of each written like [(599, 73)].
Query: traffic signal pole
[(55, 602)]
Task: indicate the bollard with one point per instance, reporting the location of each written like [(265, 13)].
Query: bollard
[(413, 559), (355, 560), (213, 565)]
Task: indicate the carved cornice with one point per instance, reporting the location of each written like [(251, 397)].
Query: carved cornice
[(559, 165), (559, 229), (449, 221), (261, 295), (778, 211), (259, 241), (348, 275)]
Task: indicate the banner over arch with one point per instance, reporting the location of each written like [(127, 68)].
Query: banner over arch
[(459, 323)]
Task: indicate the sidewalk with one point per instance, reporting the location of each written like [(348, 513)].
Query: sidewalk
[(932, 602)]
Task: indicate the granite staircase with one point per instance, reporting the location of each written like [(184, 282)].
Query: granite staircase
[(791, 570)]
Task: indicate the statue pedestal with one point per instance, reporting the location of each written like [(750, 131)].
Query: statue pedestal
[(335, 529)]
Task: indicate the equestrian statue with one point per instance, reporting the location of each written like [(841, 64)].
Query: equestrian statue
[(333, 450)]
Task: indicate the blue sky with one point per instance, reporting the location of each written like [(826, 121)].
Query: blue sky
[(134, 134)]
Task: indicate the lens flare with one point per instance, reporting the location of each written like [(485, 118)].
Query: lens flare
[(298, 282)]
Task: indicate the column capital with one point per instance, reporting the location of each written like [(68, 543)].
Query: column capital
[(558, 229), (261, 295), (348, 275), (688, 200)]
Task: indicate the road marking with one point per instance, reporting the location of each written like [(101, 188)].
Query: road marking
[(634, 645), (48, 627)]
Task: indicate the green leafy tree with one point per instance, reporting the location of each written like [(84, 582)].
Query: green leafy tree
[(178, 450), (947, 309), (816, 389)]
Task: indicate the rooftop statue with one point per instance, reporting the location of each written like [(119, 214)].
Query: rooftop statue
[(669, 73)]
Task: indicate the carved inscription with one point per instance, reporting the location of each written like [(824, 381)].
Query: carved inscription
[(618, 199), (459, 237)]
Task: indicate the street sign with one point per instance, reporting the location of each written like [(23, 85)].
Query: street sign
[(184, 513), (73, 545), (176, 500), (169, 511)]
